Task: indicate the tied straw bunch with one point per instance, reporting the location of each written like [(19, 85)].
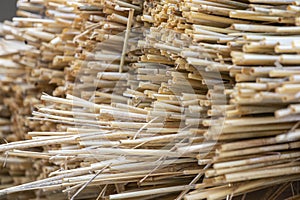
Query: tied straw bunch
[(132, 99)]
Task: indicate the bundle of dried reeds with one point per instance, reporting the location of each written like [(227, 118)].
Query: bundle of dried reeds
[(155, 99)]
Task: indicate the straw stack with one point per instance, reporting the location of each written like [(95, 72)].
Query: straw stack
[(19, 53), (157, 99), (259, 142), (13, 170)]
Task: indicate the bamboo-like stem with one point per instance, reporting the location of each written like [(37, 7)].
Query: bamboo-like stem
[(149, 192), (127, 33), (37, 143)]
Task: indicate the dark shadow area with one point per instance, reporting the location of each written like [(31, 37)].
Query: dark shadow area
[(7, 9)]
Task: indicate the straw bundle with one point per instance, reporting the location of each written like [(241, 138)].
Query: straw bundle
[(153, 99), (19, 94)]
